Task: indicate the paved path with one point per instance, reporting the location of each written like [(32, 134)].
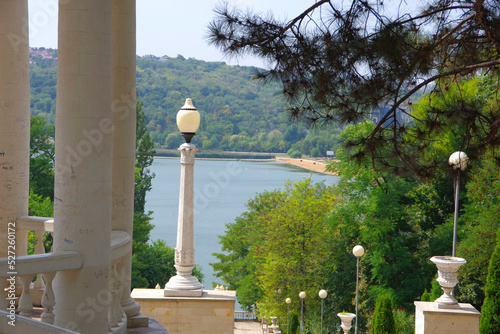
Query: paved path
[(247, 327)]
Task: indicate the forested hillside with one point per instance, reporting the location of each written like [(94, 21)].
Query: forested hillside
[(237, 113)]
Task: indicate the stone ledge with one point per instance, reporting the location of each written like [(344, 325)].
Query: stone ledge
[(211, 313), (429, 319), (138, 321)]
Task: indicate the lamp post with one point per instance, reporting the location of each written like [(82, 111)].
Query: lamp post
[(288, 301), (322, 294), (459, 162), (302, 295), (358, 252), (279, 306), (184, 283)]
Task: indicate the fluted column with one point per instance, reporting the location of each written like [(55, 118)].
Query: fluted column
[(14, 120), (124, 116), (84, 143)]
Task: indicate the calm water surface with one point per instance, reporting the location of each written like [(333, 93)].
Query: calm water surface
[(221, 190)]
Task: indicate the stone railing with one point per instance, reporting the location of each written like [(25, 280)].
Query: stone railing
[(26, 325), (47, 265), (244, 316)]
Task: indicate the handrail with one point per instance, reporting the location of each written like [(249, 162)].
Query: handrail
[(42, 263), (25, 325), (33, 223)]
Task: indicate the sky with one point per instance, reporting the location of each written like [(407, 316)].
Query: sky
[(167, 27)]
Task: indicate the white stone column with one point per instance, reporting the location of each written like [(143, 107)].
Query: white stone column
[(14, 119), (184, 284), (84, 125), (124, 119)]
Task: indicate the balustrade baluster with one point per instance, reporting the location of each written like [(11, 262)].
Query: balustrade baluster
[(48, 299), (39, 249), (25, 302)]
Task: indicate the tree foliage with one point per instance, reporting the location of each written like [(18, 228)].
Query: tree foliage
[(237, 114), (272, 246), (42, 153), (155, 265), (490, 320), (383, 318), (338, 61)]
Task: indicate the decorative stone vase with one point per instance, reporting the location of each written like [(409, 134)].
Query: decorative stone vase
[(346, 319), (448, 272)]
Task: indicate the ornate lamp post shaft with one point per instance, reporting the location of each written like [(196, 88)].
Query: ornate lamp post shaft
[(184, 284)]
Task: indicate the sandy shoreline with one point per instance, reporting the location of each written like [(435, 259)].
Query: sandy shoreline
[(312, 165)]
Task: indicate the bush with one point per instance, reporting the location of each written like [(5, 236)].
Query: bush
[(490, 320), (155, 265), (294, 154), (426, 297), (383, 318), (315, 152), (294, 322), (404, 321)]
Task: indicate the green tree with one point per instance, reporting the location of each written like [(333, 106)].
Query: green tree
[(42, 153), (156, 265), (479, 221), (334, 67), (145, 152), (490, 320), (279, 224), (383, 318)]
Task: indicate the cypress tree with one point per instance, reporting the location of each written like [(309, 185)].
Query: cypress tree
[(383, 318), (490, 320), (426, 297), (294, 322)]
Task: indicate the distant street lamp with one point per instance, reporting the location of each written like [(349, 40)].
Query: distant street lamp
[(302, 295), (322, 294), (279, 306), (459, 162), (288, 301), (184, 283), (358, 252)]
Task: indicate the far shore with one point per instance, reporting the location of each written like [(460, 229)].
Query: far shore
[(317, 165)]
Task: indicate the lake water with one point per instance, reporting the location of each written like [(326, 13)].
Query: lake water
[(221, 190)]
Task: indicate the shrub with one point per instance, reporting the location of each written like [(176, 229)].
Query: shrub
[(315, 152), (294, 322), (404, 321), (383, 318), (155, 264), (490, 320), (426, 297), (294, 154)]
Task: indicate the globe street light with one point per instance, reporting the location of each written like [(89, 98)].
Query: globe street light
[(358, 252), (288, 301), (459, 162), (279, 306), (302, 295), (184, 284), (322, 294)]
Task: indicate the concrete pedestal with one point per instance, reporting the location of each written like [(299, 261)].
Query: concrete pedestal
[(429, 319), (211, 313)]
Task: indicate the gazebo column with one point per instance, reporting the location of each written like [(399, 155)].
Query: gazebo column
[(124, 116), (83, 179), (14, 124)]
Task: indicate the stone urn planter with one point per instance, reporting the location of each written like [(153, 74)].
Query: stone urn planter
[(346, 319), (448, 272)]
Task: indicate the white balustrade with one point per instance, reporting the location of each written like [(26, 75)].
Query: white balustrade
[(48, 299), (46, 266), (25, 302)]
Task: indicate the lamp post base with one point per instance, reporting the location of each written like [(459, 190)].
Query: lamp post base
[(183, 286)]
